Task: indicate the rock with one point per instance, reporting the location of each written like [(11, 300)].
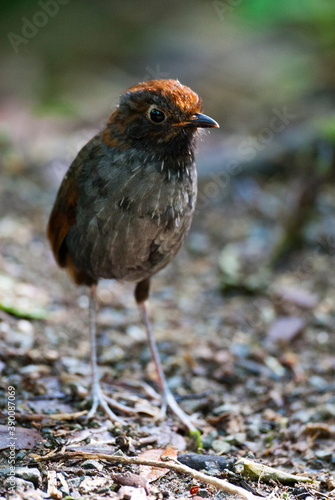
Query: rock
[(221, 446), (31, 474), (203, 493), (92, 484), (18, 485), (198, 243), (325, 454), (92, 464), (208, 440), (285, 329), (237, 438)]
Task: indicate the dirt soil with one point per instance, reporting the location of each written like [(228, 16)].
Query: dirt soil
[(248, 349)]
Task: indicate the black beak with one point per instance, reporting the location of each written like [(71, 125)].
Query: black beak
[(200, 120)]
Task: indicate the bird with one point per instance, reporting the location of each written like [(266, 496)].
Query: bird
[(126, 204)]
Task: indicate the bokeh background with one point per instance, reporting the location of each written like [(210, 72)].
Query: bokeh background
[(265, 71), (64, 64), (245, 314)]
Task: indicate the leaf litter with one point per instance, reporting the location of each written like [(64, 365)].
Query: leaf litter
[(247, 348)]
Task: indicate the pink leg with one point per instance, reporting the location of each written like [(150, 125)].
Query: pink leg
[(99, 398), (167, 396)]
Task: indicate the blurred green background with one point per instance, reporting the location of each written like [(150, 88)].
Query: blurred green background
[(264, 69), (262, 242), (70, 59)]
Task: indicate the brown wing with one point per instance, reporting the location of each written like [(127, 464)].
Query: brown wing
[(63, 216)]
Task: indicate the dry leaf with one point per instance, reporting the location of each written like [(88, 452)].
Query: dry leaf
[(153, 473), (300, 297), (133, 480), (25, 439), (285, 329)]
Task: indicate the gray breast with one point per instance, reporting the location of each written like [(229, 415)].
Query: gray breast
[(131, 220)]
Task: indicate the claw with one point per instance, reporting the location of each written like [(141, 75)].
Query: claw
[(168, 400), (100, 400)]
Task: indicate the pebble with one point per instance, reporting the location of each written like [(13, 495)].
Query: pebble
[(24, 340), (31, 474), (74, 482), (221, 446), (20, 485), (108, 316), (92, 464), (90, 484), (208, 440), (324, 454), (198, 243), (25, 326), (113, 354), (318, 382), (324, 412), (136, 333), (211, 470), (203, 493), (225, 408), (237, 438), (253, 430)]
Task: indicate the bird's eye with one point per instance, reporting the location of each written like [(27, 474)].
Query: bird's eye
[(156, 115)]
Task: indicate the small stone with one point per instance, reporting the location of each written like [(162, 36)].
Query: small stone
[(198, 243), (240, 350), (92, 464), (203, 493), (119, 453), (136, 333), (211, 470), (208, 440), (237, 438), (318, 382), (128, 492), (113, 354), (221, 446), (253, 430), (324, 454), (31, 474), (74, 482), (225, 408), (64, 488), (91, 484), (324, 412), (24, 340), (18, 485), (83, 301), (25, 326)]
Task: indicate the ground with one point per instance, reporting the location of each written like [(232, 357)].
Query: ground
[(248, 348)]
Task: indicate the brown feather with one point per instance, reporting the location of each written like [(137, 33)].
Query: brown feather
[(61, 219)]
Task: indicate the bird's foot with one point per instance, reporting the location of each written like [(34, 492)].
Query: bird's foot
[(104, 402), (168, 401)]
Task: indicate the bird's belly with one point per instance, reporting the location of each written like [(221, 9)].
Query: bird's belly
[(128, 244), (135, 248)]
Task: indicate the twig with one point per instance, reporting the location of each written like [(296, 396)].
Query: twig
[(53, 491), (258, 471), (51, 416), (221, 484)]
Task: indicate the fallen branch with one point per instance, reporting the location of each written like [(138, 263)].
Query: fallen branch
[(175, 466), (255, 470), (53, 491), (51, 416)]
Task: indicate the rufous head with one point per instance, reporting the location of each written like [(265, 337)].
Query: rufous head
[(160, 115)]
